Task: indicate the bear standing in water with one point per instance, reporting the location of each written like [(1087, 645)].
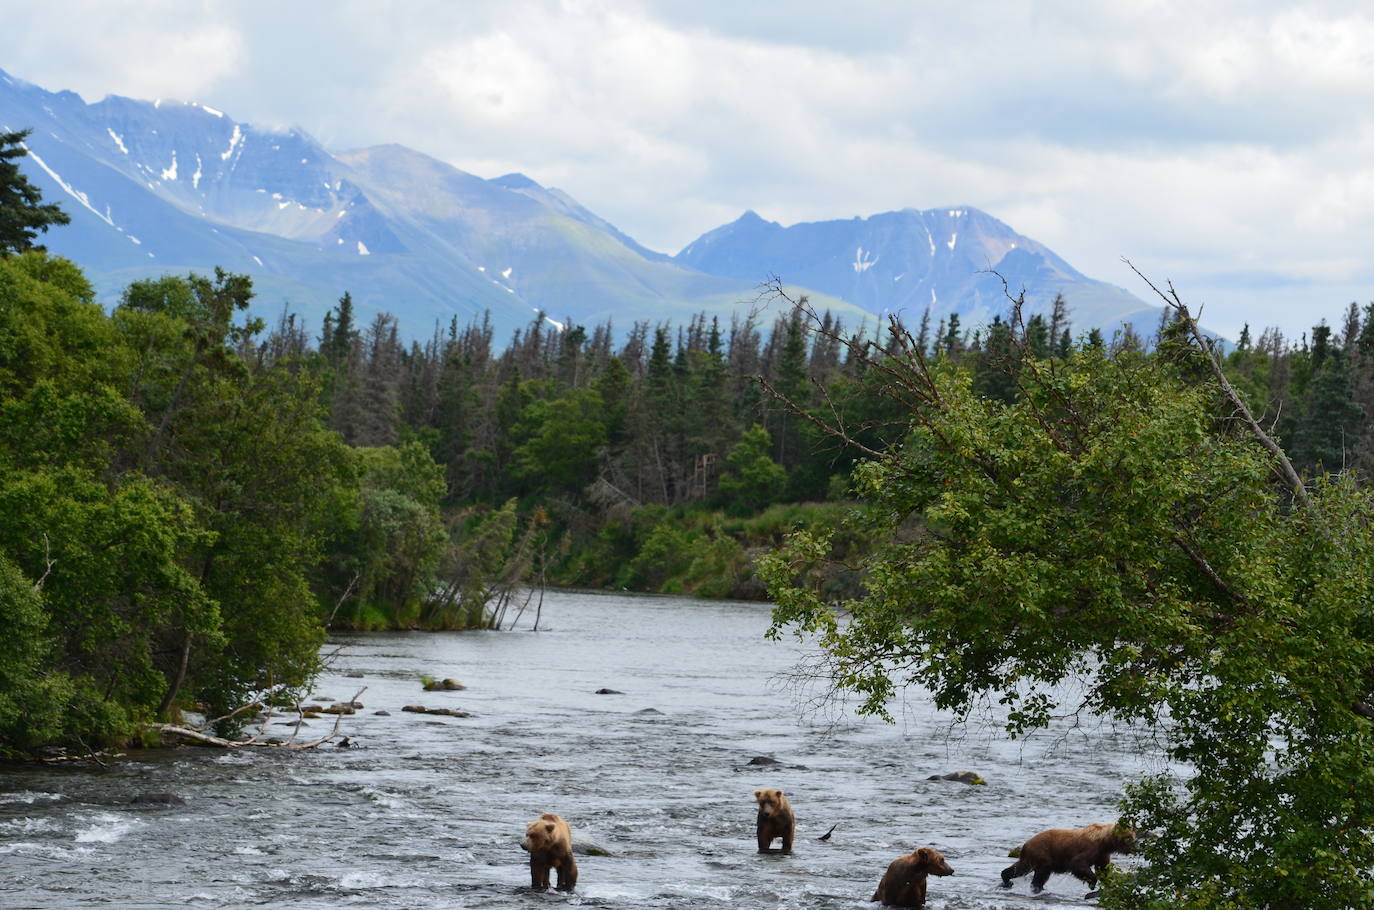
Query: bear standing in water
[(775, 820), (1084, 852), (904, 882), (548, 839)]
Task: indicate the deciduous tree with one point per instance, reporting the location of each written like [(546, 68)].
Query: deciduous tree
[(1125, 523)]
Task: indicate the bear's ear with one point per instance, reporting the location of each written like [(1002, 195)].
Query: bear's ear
[(757, 794), (779, 792), (925, 855), (549, 827)]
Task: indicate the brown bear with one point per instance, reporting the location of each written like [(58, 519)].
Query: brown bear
[(548, 839), (775, 820), (904, 882), (1085, 852)]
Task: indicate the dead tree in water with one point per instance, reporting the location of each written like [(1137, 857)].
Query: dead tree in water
[(199, 735), (488, 568)]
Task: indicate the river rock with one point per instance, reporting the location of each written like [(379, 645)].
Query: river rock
[(584, 847), (340, 707), (444, 685), (650, 712), (165, 800), (442, 712), (768, 761), (448, 712), (609, 692), (382, 713), (963, 777), (354, 674)]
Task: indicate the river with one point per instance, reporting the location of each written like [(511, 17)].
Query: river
[(427, 812)]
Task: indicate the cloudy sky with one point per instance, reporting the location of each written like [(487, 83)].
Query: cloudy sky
[(1225, 145)]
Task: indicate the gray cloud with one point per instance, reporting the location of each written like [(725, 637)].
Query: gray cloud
[(1210, 144)]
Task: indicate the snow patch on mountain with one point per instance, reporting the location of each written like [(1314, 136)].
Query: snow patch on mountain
[(234, 140), (170, 173), (864, 261), (70, 190), (117, 140)]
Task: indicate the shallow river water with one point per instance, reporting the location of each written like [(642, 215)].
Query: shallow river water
[(427, 812)]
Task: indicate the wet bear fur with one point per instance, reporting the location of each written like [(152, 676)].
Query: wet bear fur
[(1083, 852), (904, 882), (775, 820), (548, 839)]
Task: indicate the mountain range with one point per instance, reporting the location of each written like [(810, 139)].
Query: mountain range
[(157, 187)]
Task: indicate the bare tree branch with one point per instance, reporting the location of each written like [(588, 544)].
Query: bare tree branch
[(200, 736), (48, 562), (1286, 469)]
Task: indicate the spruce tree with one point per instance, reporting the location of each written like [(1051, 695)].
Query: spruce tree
[(22, 213)]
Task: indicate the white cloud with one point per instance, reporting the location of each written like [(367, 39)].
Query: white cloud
[(161, 48), (1225, 139)]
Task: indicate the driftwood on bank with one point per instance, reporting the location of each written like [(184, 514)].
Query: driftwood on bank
[(259, 739)]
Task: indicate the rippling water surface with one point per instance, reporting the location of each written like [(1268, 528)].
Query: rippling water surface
[(427, 811)]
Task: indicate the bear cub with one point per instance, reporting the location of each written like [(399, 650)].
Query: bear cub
[(1084, 852), (548, 840), (904, 882), (775, 820)]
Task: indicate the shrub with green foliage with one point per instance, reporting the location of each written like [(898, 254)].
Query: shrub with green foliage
[(752, 478)]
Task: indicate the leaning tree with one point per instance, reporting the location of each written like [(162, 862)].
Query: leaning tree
[(1126, 523)]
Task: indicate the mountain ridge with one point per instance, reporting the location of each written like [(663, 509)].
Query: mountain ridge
[(163, 186), (952, 260)]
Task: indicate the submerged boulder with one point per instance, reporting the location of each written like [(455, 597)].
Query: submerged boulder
[(584, 847)]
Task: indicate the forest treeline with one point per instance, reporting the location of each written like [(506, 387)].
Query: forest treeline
[(190, 496), (664, 460)]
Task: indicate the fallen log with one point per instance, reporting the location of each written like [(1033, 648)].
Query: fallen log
[(257, 740)]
